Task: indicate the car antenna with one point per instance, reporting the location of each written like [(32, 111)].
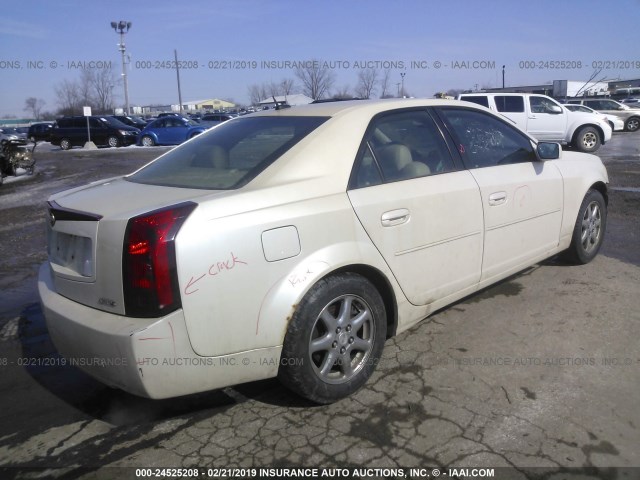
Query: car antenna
[(281, 105)]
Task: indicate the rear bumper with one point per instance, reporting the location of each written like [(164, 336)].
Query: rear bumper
[(147, 357)]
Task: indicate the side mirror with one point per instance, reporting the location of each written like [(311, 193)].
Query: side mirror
[(554, 109), (548, 151)]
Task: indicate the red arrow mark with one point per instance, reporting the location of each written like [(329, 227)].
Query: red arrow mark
[(191, 283)]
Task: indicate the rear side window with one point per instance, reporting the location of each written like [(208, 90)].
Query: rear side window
[(485, 141), (228, 156), (509, 104), (401, 146), (64, 122), (480, 100)]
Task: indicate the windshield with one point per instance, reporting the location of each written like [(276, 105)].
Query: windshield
[(228, 156)]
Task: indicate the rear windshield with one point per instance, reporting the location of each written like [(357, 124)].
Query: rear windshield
[(228, 156)]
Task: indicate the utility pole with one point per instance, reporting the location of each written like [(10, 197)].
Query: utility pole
[(175, 54), (123, 27)]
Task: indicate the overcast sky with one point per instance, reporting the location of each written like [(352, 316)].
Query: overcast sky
[(43, 42)]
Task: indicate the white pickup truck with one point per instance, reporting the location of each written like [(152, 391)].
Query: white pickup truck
[(545, 119)]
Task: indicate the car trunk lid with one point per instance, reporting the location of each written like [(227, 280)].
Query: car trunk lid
[(86, 229)]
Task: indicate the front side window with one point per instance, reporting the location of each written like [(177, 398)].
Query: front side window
[(542, 104), (228, 156), (485, 141), (610, 105)]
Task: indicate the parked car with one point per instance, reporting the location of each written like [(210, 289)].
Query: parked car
[(292, 243), (40, 132), (131, 120), (607, 106), (22, 132), (19, 132), (615, 122), (9, 133), (213, 119), (632, 102), (546, 120), (104, 130), (169, 130)]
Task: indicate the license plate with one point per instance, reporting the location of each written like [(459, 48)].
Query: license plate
[(72, 253)]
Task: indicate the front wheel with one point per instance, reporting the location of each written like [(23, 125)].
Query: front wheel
[(588, 232), (334, 340), (632, 124), (113, 141), (587, 140), (147, 141), (65, 144)]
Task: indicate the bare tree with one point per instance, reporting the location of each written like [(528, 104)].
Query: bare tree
[(255, 94), (68, 96), (102, 83), (272, 89), (367, 82), (85, 88), (93, 89), (344, 93), (454, 92), (34, 106), (316, 81), (385, 84), (287, 85)]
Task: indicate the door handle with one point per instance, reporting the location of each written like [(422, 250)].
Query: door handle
[(395, 217), (497, 198)]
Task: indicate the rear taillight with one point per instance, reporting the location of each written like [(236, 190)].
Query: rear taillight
[(149, 272)]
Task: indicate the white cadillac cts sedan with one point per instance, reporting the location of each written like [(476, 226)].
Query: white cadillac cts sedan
[(292, 243)]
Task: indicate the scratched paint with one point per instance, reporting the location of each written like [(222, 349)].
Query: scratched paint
[(299, 277), (302, 275), (215, 269)]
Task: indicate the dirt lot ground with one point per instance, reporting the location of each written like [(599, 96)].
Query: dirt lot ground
[(539, 374)]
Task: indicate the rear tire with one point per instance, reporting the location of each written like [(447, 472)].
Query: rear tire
[(334, 340), (65, 144), (589, 230), (587, 140), (632, 124)]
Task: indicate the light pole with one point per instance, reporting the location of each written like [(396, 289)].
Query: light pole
[(503, 75), (402, 76), (123, 27)]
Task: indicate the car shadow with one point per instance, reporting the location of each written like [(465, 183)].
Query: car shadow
[(50, 370)]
